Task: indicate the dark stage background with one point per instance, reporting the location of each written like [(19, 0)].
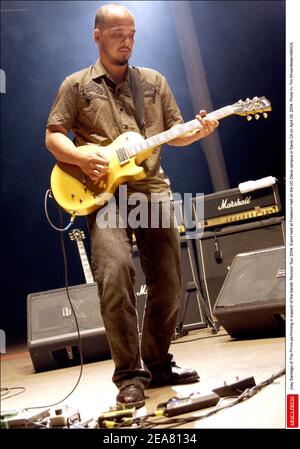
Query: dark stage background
[(243, 49)]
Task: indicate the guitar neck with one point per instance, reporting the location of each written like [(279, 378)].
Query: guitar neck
[(85, 263), (172, 133)]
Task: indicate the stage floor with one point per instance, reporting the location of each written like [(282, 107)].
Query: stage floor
[(217, 358)]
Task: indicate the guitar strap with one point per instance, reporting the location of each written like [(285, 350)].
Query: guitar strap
[(138, 98)]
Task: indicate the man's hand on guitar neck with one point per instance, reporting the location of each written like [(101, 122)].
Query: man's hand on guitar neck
[(207, 126)]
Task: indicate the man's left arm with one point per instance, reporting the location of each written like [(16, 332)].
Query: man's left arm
[(173, 117)]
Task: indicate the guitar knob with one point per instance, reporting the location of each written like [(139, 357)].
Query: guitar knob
[(249, 118), (73, 195), (265, 115), (257, 116)]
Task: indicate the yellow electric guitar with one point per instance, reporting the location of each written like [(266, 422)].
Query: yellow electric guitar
[(78, 195)]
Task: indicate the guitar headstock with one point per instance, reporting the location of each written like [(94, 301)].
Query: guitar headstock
[(256, 106), (77, 234)]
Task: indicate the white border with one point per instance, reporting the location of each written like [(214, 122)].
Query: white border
[(292, 199)]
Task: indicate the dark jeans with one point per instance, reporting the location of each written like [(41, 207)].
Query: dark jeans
[(114, 273)]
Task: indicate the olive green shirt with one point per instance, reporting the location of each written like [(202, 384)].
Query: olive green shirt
[(97, 110)]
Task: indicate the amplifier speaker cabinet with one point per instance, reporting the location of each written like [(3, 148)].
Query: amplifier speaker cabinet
[(216, 250), (251, 302), (51, 329)]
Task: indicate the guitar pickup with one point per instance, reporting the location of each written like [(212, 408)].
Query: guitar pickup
[(122, 156)]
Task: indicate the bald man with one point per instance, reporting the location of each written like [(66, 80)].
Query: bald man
[(96, 103)]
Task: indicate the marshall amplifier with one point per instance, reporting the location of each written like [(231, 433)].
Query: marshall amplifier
[(251, 303), (217, 248), (231, 206)]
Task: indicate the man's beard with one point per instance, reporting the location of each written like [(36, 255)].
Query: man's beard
[(115, 61), (120, 63)]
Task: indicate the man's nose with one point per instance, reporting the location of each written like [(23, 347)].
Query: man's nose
[(126, 39)]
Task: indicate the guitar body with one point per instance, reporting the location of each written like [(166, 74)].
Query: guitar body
[(76, 193)]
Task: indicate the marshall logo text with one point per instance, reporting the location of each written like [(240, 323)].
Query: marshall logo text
[(229, 204)]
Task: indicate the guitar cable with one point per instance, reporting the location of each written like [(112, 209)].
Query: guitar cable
[(61, 230), (3, 391), (48, 194)]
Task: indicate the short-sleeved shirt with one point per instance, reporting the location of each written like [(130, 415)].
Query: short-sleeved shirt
[(97, 110)]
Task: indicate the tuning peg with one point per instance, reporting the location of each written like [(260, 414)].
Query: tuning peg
[(249, 118), (265, 115), (257, 116)]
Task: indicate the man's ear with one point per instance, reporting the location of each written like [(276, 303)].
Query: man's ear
[(97, 36)]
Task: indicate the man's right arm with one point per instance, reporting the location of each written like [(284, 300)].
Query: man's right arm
[(92, 161), (60, 145)]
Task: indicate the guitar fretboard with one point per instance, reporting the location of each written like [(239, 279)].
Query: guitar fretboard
[(85, 263), (129, 151)]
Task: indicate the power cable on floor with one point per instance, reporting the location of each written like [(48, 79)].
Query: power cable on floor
[(5, 391)]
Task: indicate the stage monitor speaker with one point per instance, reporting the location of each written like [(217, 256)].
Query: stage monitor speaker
[(216, 250), (52, 336), (251, 302), (193, 318)]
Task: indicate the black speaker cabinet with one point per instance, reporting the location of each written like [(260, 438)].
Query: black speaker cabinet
[(251, 302), (193, 318), (52, 336), (216, 250)]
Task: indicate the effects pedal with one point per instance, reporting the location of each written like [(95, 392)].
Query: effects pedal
[(178, 406), (64, 418), (236, 388), (23, 419), (114, 417)]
